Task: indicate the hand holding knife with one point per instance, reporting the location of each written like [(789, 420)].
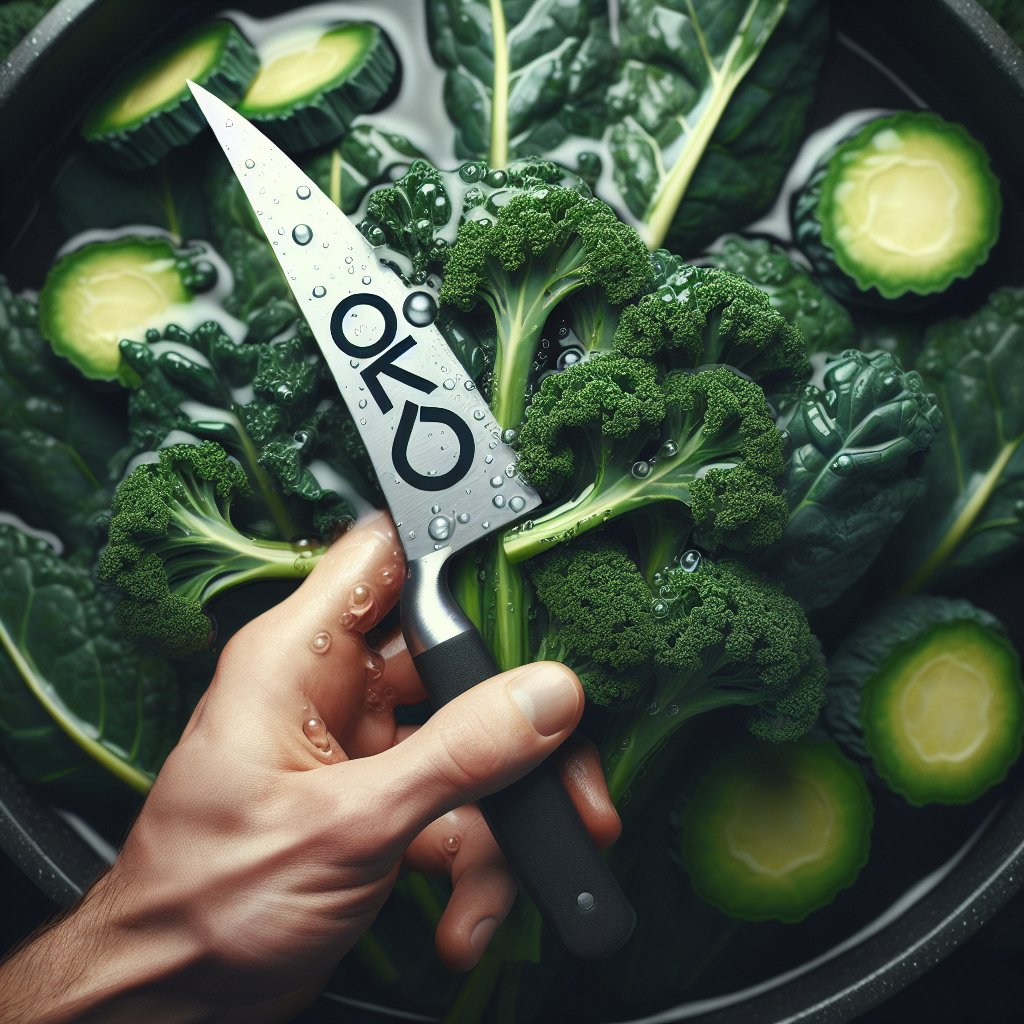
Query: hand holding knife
[(440, 461)]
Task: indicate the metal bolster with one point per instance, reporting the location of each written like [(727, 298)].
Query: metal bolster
[(429, 613)]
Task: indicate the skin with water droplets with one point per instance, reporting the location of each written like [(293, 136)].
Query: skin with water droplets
[(321, 643), (316, 732), (452, 844)]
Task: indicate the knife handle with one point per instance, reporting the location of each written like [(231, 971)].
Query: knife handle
[(537, 826)]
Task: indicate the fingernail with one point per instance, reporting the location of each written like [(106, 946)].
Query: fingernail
[(483, 932), (547, 696)]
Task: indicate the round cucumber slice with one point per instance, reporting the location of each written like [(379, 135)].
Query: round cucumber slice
[(929, 690), (775, 831), (312, 83), (105, 291), (902, 207), (149, 111)]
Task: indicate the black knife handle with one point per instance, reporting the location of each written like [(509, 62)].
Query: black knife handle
[(537, 826)]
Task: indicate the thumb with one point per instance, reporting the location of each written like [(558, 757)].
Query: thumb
[(478, 743)]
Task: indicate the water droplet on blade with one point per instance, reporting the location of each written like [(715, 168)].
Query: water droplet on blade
[(250, 164), (420, 309), (517, 504), (440, 528), (302, 234), (319, 291), (303, 192)]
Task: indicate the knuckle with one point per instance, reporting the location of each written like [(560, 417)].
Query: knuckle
[(469, 751)]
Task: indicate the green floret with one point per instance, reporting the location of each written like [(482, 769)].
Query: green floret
[(699, 315), (541, 248), (173, 548), (729, 639), (715, 451), (600, 619)]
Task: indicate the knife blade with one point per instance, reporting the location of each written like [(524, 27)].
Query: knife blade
[(449, 479)]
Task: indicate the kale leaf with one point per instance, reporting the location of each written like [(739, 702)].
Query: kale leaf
[(73, 692)]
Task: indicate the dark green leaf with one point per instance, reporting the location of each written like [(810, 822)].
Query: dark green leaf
[(59, 439), (973, 511), (72, 692)]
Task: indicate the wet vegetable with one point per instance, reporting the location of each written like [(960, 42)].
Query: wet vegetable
[(929, 689), (148, 110), (903, 207), (775, 832), (310, 87), (105, 291)]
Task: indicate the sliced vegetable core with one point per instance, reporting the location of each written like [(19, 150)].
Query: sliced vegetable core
[(163, 83), (775, 831), (314, 62), (106, 291), (942, 719)]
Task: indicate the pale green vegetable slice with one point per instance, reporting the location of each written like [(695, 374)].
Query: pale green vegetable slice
[(904, 206), (313, 83), (149, 111), (775, 831)]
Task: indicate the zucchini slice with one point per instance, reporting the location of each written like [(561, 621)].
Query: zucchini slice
[(313, 83), (929, 690), (148, 110), (774, 831), (105, 291), (902, 207)]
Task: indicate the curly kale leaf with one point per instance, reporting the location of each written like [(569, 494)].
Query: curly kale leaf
[(73, 692), (853, 472), (972, 514), (273, 405), (59, 440), (708, 109), (824, 323), (520, 74)]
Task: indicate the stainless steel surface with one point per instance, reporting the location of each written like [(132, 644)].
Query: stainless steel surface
[(426, 621), (448, 477)]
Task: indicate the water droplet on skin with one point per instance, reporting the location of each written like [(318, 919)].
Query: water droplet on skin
[(689, 561), (316, 733), (303, 192), (420, 309), (440, 528), (374, 665), (361, 594), (347, 620), (640, 470), (387, 576), (250, 164), (498, 501), (452, 844), (497, 481), (321, 643), (463, 517), (517, 504), (319, 291)]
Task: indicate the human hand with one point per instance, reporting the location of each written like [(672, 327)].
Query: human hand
[(279, 823)]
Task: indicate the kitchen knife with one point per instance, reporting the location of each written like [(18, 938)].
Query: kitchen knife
[(449, 480)]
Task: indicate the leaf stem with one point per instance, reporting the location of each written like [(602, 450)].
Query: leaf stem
[(499, 87)]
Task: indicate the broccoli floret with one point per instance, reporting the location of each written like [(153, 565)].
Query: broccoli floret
[(699, 315), (600, 619), (540, 248), (704, 441), (172, 547), (727, 638)]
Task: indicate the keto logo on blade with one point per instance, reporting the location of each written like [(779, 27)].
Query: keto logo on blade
[(387, 352)]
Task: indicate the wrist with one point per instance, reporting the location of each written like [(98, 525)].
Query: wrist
[(118, 956)]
